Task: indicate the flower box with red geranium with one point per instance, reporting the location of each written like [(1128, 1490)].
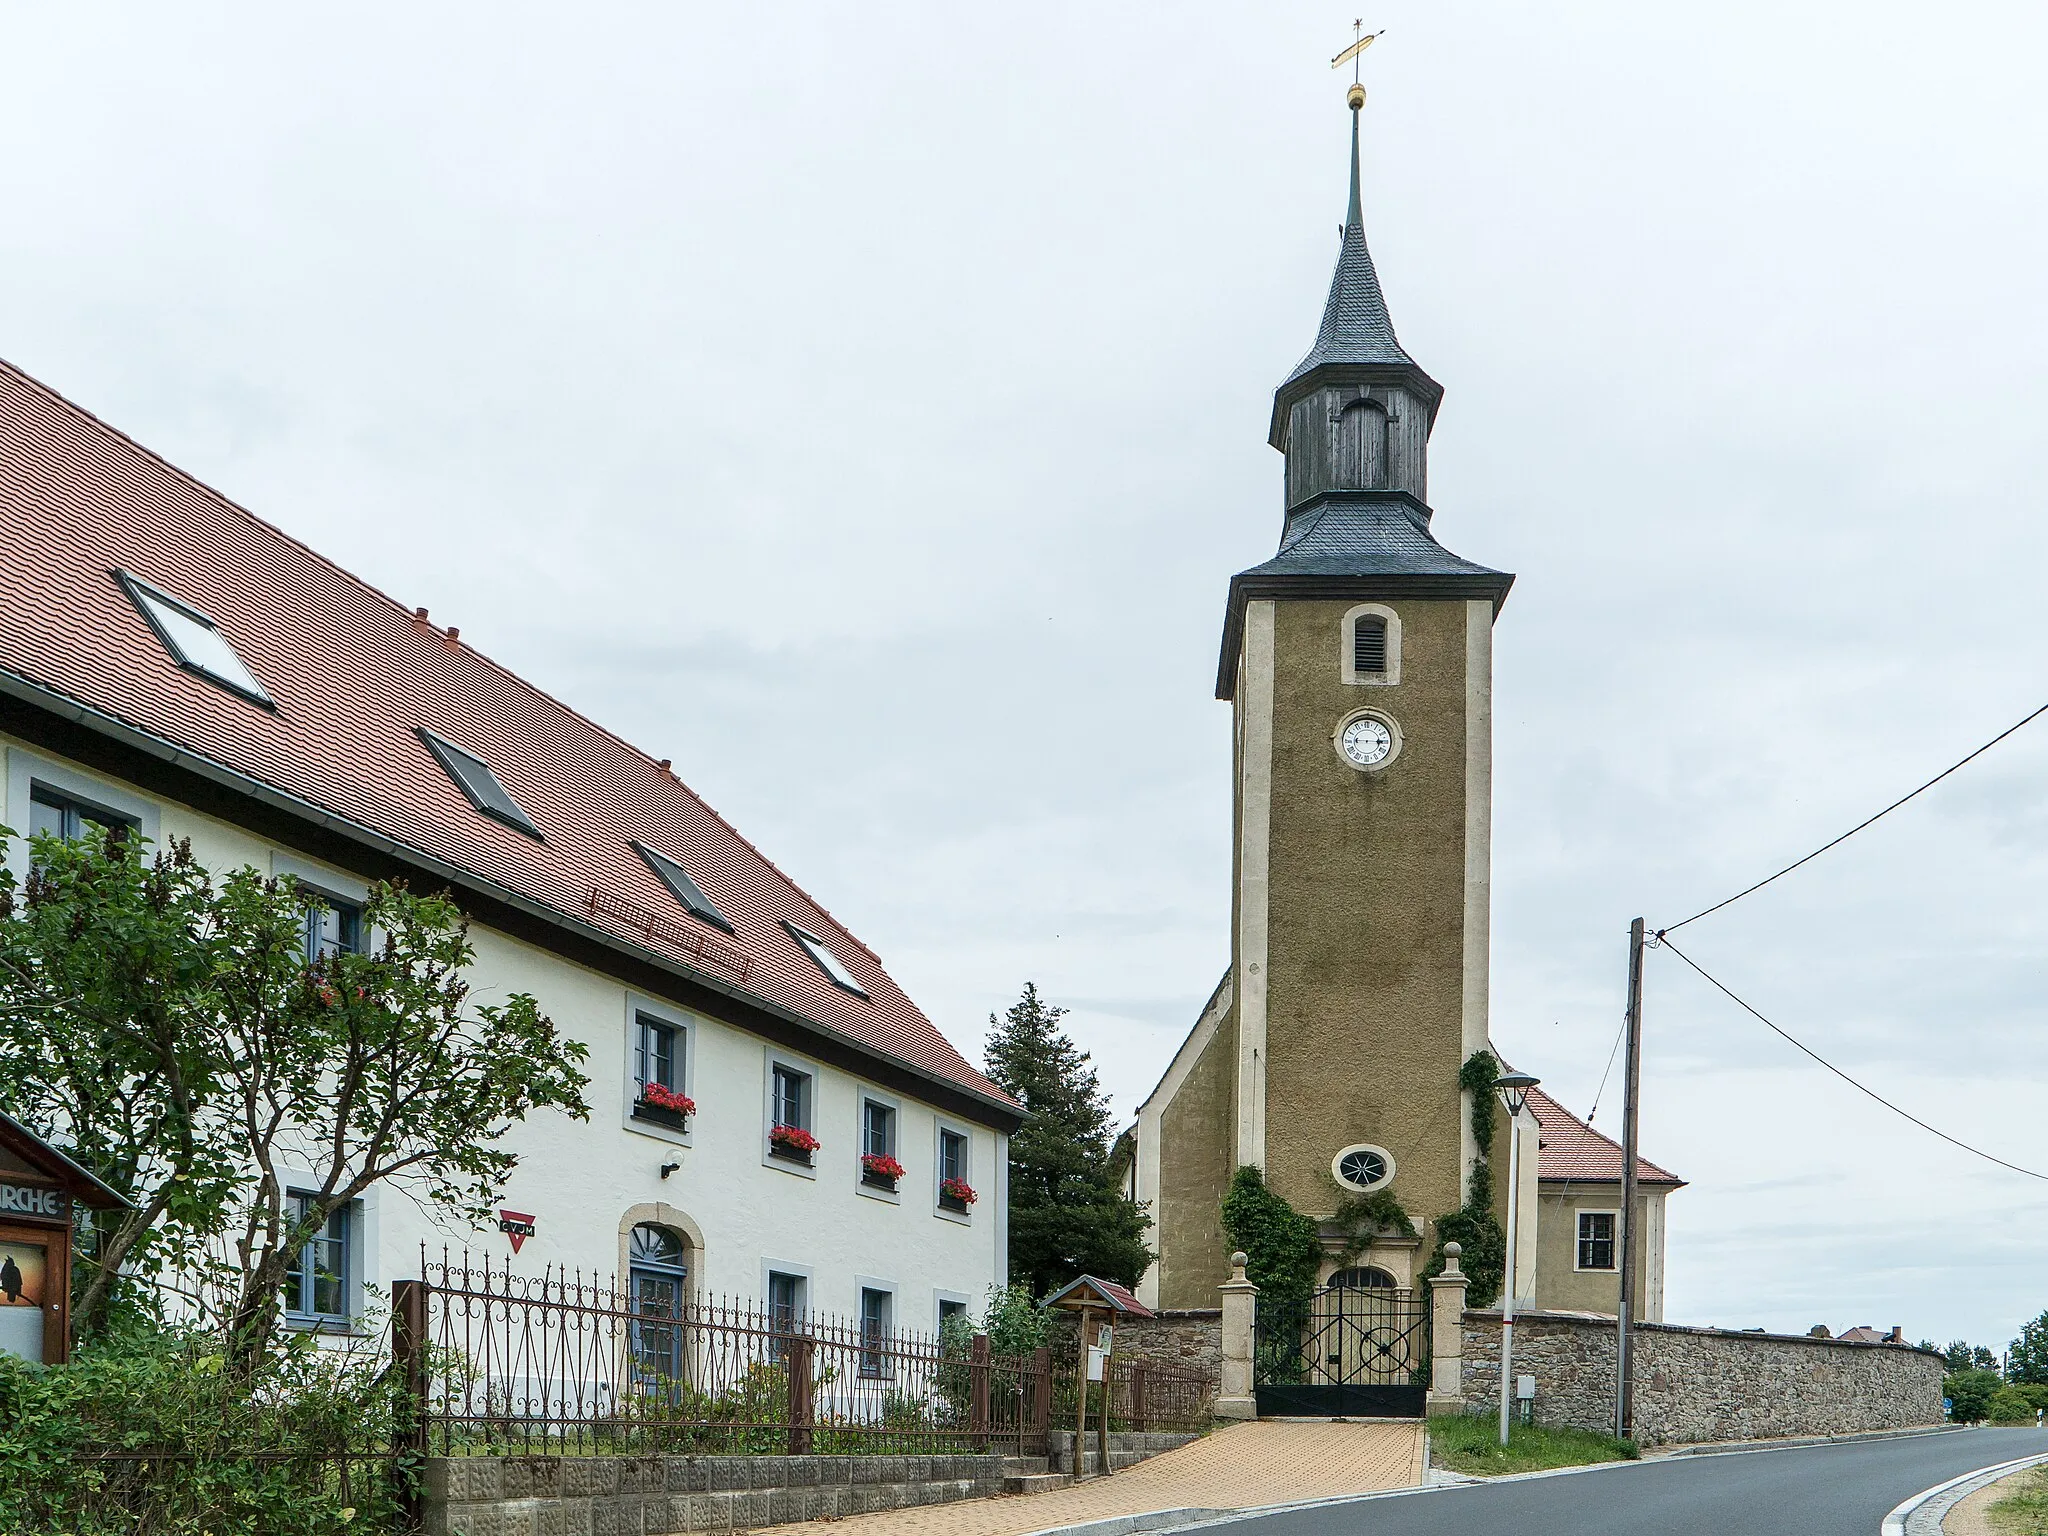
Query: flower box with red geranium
[(664, 1106), (880, 1169), (794, 1143), (956, 1194)]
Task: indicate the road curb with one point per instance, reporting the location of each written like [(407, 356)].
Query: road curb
[(1129, 1525), (1728, 1447), (1922, 1514)]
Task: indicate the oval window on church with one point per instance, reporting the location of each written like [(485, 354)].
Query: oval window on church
[(1363, 1167)]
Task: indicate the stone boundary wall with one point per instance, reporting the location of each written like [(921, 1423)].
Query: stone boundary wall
[(1190, 1340), (1696, 1384), (657, 1495)]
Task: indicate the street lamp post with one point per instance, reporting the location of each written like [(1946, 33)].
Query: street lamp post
[(1513, 1088)]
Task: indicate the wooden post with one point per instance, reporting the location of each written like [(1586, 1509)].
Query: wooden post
[(797, 1361), (1102, 1466), (1631, 1088), (1141, 1419), (977, 1391), (1081, 1412), (409, 1365)]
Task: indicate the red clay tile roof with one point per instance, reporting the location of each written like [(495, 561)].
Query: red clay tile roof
[(353, 674), (1572, 1150), (1118, 1298)]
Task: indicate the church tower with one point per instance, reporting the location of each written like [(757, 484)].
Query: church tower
[(1358, 662)]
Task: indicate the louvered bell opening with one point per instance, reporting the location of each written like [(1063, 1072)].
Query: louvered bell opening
[(1369, 646)]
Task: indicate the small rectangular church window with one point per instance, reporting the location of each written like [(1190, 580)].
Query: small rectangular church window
[(1369, 646), (1596, 1239)]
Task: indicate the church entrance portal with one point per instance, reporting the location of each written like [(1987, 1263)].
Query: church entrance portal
[(1357, 1349)]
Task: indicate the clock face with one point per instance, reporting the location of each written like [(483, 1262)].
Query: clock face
[(1366, 742)]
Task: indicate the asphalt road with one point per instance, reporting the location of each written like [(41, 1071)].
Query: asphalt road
[(1820, 1490)]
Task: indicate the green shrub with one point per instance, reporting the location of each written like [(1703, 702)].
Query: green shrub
[(2009, 1405), (195, 1447), (1969, 1394)]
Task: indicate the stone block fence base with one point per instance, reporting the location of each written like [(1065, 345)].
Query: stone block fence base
[(1700, 1384), (657, 1495)]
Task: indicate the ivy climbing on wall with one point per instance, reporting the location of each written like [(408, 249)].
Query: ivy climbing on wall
[(1281, 1246), (1473, 1226)]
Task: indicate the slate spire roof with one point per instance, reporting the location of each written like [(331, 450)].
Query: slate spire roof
[(1356, 326), (1382, 534)]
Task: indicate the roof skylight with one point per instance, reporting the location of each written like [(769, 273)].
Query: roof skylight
[(193, 639), (677, 879), (825, 959), (473, 776)]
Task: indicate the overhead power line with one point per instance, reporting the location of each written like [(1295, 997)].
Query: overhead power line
[(1824, 847), (1718, 986), (1613, 1051)]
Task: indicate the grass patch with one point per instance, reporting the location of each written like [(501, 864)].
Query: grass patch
[(1470, 1443), (2024, 1511)]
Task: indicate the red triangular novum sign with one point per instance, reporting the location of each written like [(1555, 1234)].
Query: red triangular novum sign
[(516, 1225)]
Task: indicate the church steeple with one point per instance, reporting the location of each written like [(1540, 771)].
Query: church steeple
[(1357, 369), (1356, 326)]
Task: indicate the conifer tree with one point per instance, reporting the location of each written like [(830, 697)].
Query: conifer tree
[(1067, 1215)]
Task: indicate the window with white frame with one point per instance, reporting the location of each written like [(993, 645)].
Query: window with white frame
[(316, 1285), (956, 1171), (792, 1118), (789, 1096), (1596, 1239), (52, 813), (657, 1054), (333, 927), (876, 1307), (786, 1302), (877, 1128), (880, 1170)]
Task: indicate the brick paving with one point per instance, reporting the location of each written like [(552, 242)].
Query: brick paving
[(1238, 1467)]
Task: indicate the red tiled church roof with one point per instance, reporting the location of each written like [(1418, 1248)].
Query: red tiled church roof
[(352, 674), (1573, 1151)]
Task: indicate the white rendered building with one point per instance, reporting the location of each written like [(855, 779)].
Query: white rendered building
[(170, 661)]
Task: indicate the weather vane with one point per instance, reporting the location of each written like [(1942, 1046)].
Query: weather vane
[(1363, 42)]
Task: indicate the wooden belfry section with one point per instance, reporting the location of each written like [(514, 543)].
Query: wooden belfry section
[(40, 1190)]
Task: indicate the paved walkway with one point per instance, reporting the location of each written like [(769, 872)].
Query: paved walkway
[(1238, 1467)]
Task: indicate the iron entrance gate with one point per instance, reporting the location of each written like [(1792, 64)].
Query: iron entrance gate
[(1351, 1352)]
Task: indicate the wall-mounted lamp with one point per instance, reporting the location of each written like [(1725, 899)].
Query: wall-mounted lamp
[(669, 1168)]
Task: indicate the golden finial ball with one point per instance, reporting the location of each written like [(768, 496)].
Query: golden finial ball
[(1356, 97)]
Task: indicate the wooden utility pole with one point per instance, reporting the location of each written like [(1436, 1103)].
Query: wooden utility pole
[(1631, 1086)]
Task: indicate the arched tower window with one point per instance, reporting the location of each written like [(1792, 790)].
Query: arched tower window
[(1370, 645), (1362, 446)]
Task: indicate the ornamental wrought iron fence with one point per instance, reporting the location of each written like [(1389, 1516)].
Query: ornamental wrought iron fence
[(570, 1364), (564, 1363)]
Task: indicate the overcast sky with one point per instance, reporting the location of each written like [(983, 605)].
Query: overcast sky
[(864, 405)]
